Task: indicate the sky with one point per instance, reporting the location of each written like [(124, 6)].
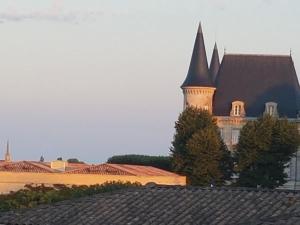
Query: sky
[(89, 79)]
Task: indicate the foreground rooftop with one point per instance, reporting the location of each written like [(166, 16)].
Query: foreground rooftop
[(167, 205)]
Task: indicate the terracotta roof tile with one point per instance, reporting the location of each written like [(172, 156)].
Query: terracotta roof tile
[(103, 169), (143, 170), (123, 169), (24, 166)]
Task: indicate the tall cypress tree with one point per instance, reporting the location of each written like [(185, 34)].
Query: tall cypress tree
[(198, 150), (265, 147)]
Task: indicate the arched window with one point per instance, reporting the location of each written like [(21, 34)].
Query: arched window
[(271, 109), (237, 109)]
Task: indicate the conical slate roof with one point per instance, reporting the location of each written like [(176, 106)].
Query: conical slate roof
[(214, 64), (198, 74)]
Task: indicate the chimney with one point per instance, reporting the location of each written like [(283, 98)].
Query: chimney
[(59, 165)]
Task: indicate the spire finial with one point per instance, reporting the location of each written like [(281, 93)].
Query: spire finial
[(214, 64), (291, 52), (215, 47), (7, 154), (200, 28), (198, 73)]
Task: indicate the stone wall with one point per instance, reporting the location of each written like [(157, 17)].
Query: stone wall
[(198, 97), (10, 181)]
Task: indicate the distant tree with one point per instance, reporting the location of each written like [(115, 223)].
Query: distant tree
[(74, 160), (162, 162), (42, 159), (59, 158), (198, 150), (265, 147)]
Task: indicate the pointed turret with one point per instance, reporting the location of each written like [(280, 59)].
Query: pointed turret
[(198, 74), (198, 89), (214, 64), (7, 153)]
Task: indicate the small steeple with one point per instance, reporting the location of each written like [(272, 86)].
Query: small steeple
[(198, 73), (214, 64), (7, 153)]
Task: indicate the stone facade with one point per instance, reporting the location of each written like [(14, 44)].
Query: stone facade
[(200, 97), (243, 88)]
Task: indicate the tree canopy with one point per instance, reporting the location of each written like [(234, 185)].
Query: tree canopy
[(198, 150), (74, 160), (264, 150), (32, 196), (162, 162)]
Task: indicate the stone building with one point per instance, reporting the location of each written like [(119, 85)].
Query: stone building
[(14, 175), (241, 88)]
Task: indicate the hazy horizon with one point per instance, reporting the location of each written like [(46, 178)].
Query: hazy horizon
[(92, 79)]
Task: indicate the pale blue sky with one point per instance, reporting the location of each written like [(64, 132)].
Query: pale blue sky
[(93, 78)]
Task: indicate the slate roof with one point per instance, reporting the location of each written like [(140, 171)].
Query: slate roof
[(198, 73), (285, 219), (214, 64), (168, 205), (255, 80)]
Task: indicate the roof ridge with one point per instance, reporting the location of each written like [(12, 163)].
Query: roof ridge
[(39, 165), (99, 165), (257, 54), (36, 165), (225, 188), (117, 166)]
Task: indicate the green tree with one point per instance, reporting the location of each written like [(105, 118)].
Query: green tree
[(74, 160), (198, 151), (265, 147), (162, 162)]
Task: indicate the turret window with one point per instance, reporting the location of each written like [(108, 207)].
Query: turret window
[(237, 109), (271, 109)]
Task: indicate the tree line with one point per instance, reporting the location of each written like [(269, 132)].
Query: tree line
[(264, 150), (32, 196)]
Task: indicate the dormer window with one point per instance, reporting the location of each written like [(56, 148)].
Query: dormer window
[(271, 109), (237, 109)]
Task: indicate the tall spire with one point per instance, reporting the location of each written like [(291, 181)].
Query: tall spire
[(7, 153), (198, 74), (214, 64)]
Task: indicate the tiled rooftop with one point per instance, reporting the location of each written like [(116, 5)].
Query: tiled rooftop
[(24, 166), (168, 205), (102, 169), (121, 169), (79, 168)]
